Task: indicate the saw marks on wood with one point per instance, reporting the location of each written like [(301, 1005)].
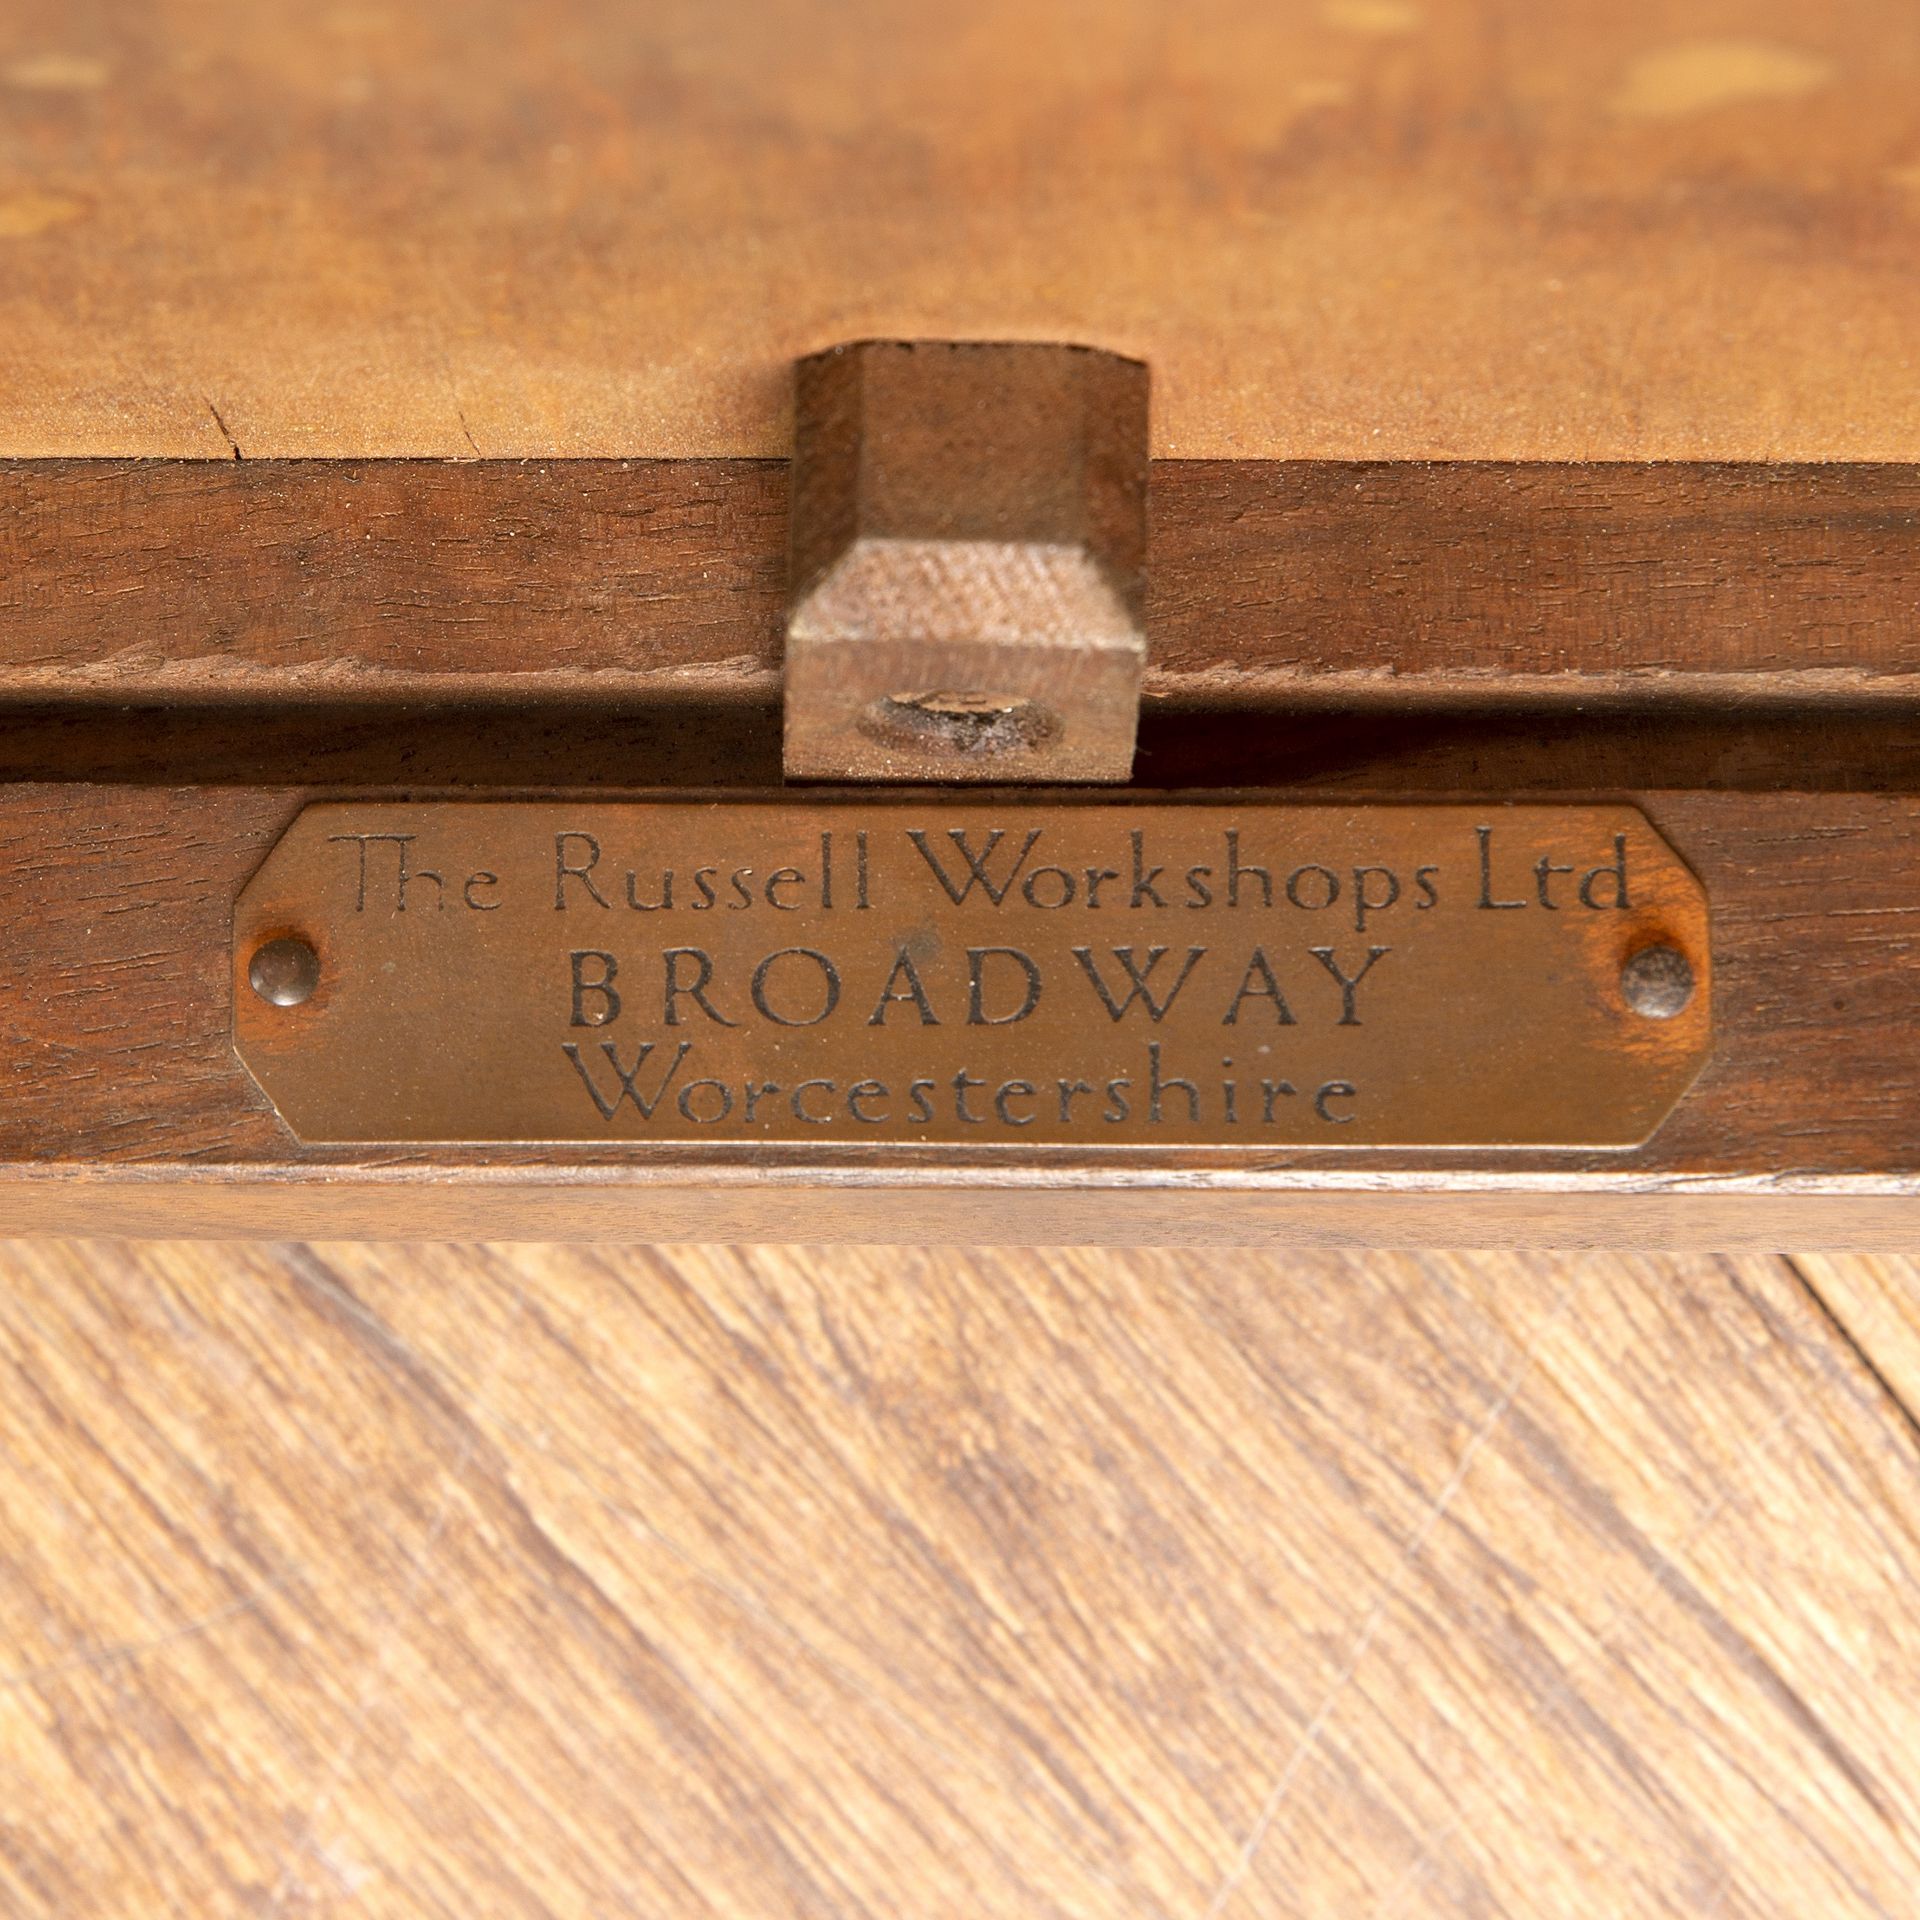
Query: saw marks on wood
[(547, 1582)]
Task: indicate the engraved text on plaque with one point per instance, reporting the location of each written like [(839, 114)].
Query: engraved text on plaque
[(853, 973)]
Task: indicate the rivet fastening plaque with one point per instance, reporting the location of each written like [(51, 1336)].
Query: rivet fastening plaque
[(1657, 982), (284, 972)]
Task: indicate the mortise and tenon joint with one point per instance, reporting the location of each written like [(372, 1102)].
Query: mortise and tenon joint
[(968, 540)]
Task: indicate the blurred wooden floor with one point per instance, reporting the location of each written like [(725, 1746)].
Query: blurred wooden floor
[(515, 1582)]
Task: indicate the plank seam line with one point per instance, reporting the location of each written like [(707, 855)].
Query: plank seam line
[(1845, 1334)]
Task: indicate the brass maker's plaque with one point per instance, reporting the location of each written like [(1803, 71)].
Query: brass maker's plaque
[(853, 973)]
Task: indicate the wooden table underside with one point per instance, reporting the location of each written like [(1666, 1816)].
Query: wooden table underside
[(1352, 229), (1646, 259), (1148, 1586)]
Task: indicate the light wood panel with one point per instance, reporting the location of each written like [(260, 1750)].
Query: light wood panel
[(775, 1583), (1346, 228)]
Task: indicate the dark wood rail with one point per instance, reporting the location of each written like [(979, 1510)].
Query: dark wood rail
[(1270, 584)]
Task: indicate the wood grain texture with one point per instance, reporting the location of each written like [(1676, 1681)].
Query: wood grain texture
[(549, 1584), (1354, 586), (119, 1067), (1357, 228)]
